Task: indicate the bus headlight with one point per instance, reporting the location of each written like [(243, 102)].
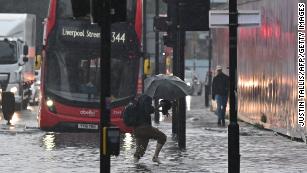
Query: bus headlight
[(14, 90), (50, 105)]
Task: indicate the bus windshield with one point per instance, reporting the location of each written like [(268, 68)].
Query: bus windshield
[(74, 75), (73, 63)]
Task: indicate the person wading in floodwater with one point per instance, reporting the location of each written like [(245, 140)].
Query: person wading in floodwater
[(145, 131)]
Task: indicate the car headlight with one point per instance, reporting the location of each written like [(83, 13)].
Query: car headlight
[(188, 83), (14, 90)]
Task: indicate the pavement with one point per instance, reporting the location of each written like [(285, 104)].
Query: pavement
[(261, 151), (207, 149)]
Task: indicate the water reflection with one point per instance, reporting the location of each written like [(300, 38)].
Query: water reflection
[(15, 118), (48, 141), (31, 108), (188, 102), (127, 141), (52, 140)]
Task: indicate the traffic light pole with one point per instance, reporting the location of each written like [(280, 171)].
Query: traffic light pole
[(233, 127), (176, 36), (156, 118), (172, 37), (105, 61)]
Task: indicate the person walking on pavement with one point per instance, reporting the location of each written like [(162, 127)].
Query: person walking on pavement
[(145, 131), (220, 85)]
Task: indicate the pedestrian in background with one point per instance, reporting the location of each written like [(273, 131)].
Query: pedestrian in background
[(220, 88), (145, 131)]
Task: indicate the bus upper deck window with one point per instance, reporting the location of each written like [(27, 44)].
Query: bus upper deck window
[(64, 9), (80, 8)]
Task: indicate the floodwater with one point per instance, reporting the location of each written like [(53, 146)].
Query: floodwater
[(27, 149)]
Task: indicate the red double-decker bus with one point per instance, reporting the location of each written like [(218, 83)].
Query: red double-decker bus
[(70, 77)]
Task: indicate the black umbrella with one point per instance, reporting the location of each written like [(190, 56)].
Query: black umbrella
[(166, 87)]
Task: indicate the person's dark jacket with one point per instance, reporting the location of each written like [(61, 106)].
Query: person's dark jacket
[(146, 108), (220, 85)]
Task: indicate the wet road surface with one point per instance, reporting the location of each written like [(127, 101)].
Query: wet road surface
[(27, 149)]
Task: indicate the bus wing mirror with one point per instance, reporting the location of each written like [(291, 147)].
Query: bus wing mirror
[(25, 50)]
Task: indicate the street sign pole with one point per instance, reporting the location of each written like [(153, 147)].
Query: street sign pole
[(233, 127), (233, 19)]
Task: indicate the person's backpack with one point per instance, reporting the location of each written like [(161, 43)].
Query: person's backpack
[(131, 114), (145, 106)]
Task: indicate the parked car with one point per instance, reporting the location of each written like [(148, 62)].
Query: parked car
[(35, 89), (192, 80)]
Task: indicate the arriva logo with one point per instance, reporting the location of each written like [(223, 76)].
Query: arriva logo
[(88, 113)]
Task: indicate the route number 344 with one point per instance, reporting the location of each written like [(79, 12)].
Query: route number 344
[(118, 37)]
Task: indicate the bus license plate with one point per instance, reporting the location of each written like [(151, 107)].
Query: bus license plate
[(88, 126)]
